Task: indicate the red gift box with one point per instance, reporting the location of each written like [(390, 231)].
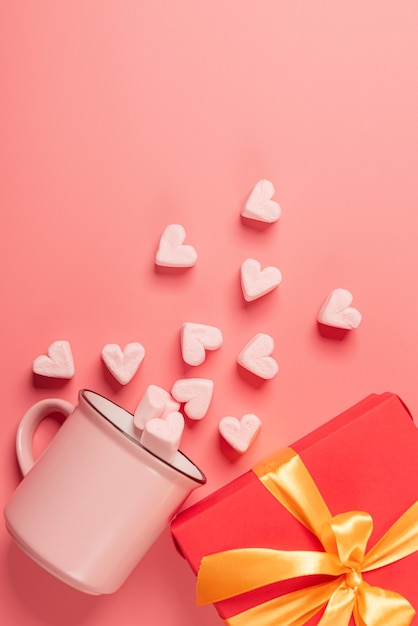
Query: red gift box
[(366, 459)]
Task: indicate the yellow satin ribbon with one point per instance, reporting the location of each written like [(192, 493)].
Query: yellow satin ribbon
[(344, 538)]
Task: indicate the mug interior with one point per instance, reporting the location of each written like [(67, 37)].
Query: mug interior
[(124, 422)]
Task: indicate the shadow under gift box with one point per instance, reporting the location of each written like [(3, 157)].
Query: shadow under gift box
[(365, 459)]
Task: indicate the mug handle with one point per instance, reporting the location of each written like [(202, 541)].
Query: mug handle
[(29, 423)]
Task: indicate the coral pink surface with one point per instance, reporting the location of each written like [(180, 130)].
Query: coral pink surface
[(118, 119)]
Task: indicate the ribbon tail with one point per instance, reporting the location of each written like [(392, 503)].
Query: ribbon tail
[(379, 607), (294, 608), (399, 541), (233, 572), (339, 608)]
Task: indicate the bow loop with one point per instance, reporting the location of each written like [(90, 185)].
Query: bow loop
[(347, 535)]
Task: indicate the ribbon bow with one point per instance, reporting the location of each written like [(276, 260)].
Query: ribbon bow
[(344, 538)]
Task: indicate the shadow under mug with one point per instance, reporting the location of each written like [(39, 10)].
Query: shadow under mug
[(95, 500)]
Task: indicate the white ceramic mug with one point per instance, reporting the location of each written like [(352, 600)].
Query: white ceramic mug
[(94, 502)]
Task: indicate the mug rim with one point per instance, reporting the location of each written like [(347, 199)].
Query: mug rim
[(84, 394)]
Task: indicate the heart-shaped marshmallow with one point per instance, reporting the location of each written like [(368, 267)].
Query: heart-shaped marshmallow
[(172, 252), (337, 312), (240, 434), (156, 402), (196, 393), (123, 364), (196, 339), (255, 356), (256, 282), (58, 363), (163, 436), (260, 205)]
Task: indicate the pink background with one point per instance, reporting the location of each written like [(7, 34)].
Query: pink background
[(118, 118)]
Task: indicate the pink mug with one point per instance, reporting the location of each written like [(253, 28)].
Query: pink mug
[(95, 500)]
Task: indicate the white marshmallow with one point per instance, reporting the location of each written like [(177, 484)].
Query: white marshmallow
[(256, 282), (58, 363), (196, 339), (172, 252), (123, 364), (260, 205), (255, 356), (156, 402), (240, 434), (337, 312), (163, 436), (196, 393)]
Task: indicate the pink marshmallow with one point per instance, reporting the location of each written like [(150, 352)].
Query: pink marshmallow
[(255, 356), (196, 393), (162, 436), (260, 205), (337, 312), (58, 363), (123, 364), (196, 339), (240, 434), (156, 402), (256, 282), (172, 252)]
